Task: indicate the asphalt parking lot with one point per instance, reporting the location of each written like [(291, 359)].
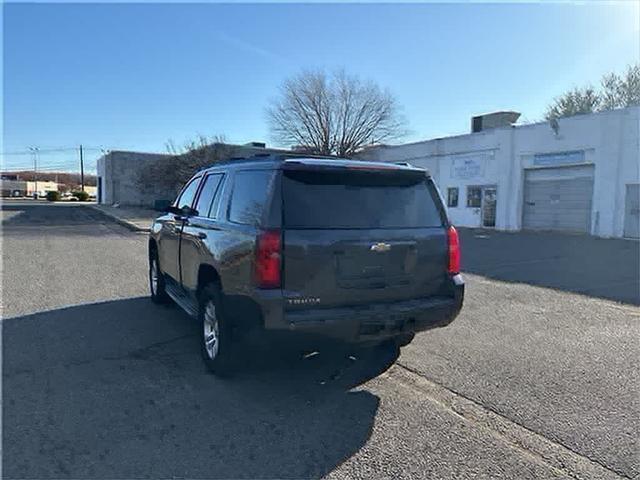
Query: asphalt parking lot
[(533, 380), (605, 268)]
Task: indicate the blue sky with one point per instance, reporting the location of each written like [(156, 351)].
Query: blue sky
[(132, 76)]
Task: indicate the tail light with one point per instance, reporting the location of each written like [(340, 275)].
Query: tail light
[(454, 251), (267, 267)]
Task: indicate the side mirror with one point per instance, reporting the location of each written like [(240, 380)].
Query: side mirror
[(182, 212), (189, 212)]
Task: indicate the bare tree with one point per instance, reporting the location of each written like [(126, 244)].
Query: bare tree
[(574, 102), (333, 114), (617, 91), (620, 91), (165, 176)]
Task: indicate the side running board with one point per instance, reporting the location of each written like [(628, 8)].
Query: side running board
[(183, 300)]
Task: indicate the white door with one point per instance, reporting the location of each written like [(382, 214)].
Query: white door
[(489, 206), (632, 211)]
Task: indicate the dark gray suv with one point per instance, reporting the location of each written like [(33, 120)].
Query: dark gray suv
[(358, 251)]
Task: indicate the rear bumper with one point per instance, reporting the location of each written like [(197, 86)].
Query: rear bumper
[(374, 321)]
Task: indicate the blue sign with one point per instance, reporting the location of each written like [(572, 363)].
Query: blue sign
[(561, 158)]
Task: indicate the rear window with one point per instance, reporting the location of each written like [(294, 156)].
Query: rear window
[(358, 200), (250, 194)]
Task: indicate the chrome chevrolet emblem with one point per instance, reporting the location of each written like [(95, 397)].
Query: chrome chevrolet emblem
[(380, 247)]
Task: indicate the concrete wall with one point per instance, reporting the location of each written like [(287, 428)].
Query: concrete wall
[(609, 141), (118, 174)]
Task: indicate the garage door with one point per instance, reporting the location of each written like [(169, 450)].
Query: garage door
[(558, 199), (632, 212)]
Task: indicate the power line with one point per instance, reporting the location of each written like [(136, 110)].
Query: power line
[(53, 150), (45, 170), (45, 166), (47, 163)]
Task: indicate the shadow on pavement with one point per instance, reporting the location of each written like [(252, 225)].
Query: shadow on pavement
[(118, 390), (605, 268), (37, 213)]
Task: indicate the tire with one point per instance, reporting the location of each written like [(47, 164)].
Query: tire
[(404, 339), (216, 342), (157, 288)]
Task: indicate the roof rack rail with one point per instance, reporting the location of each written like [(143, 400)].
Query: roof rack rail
[(300, 155)]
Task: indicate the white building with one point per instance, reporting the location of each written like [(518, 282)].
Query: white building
[(581, 174), (27, 188)]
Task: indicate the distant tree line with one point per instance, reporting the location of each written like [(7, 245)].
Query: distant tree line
[(615, 91)]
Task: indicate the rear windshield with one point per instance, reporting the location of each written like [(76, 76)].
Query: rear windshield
[(359, 200)]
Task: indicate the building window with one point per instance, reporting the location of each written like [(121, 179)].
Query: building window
[(474, 196), (452, 197)]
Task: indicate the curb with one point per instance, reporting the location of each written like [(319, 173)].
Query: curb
[(125, 223)]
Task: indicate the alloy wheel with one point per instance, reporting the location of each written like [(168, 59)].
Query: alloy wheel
[(153, 277), (211, 330)]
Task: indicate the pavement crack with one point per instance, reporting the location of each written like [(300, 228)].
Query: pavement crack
[(556, 455)]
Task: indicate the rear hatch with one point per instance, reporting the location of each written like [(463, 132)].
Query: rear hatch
[(359, 236)]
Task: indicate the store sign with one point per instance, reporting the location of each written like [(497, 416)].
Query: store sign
[(467, 167), (561, 158)]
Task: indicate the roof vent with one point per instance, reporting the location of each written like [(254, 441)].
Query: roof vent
[(493, 120)]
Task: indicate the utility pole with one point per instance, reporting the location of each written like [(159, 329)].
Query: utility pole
[(34, 150), (81, 170)]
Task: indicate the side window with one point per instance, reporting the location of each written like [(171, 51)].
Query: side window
[(215, 206), (185, 199), (210, 188), (452, 197), (250, 193), (474, 197)]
